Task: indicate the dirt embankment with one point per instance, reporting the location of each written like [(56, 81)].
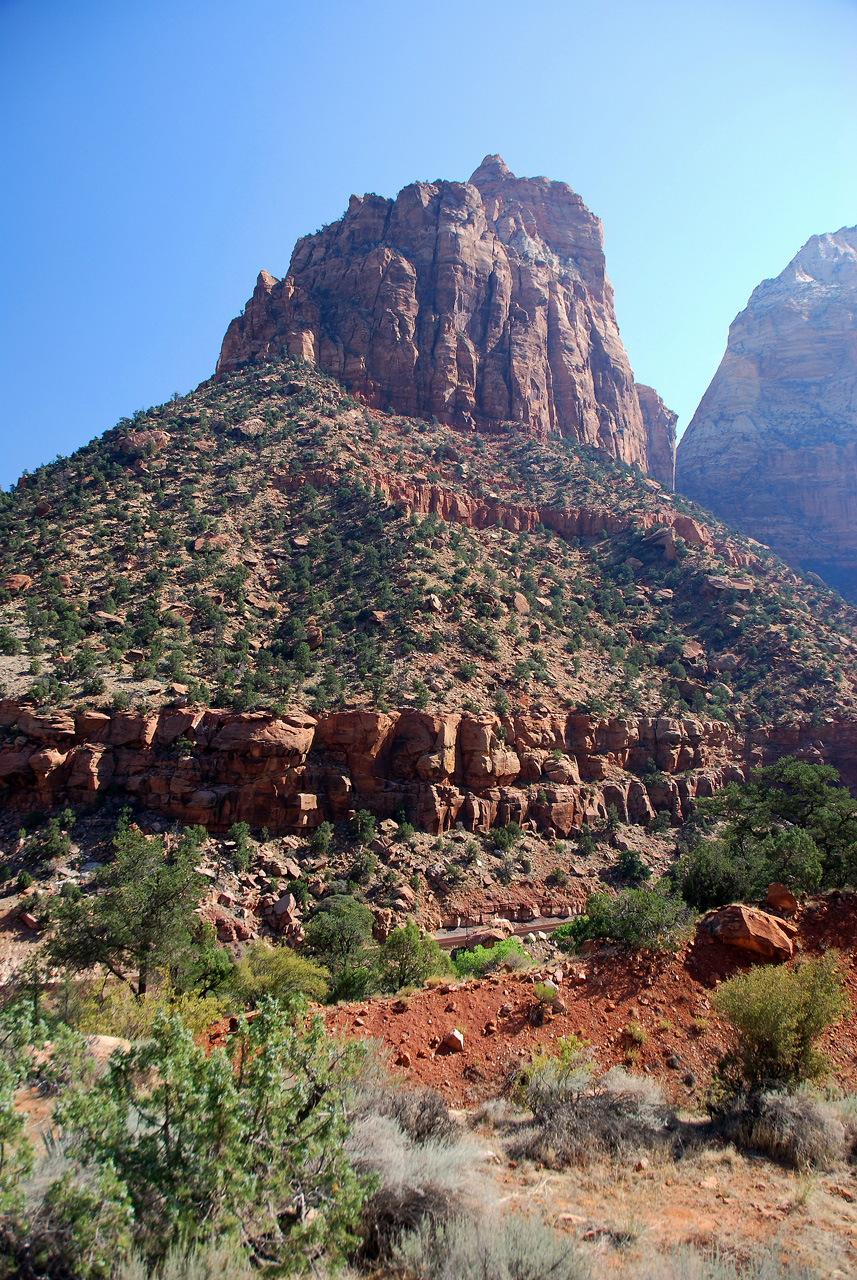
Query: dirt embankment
[(653, 1011)]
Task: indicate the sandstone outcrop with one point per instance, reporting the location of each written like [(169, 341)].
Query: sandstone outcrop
[(752, 930), (772, 447), (453, 506), (292, 772), (476, 302)]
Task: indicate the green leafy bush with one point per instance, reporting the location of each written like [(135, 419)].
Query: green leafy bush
[(779, 1015), (245, 1144), (320, 840), (9, 644), (631, 866), (792, 822), (482, 959), (363, 827), (505, 838), (340, 936), (239, 834), (646, 919), (140, 919), (406, 960), (279, 972)]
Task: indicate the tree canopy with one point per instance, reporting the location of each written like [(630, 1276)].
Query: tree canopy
[(139, 916)]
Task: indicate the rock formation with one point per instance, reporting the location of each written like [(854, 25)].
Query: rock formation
[(659, 422), (772, 447), (477, 302), (292, 772)]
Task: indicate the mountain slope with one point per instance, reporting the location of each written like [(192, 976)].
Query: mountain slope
[(266, 541)]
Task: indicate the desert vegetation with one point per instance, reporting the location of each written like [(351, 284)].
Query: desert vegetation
[(261, 565)]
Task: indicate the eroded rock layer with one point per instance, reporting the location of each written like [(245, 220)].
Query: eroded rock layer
[(772, 447), (475, 302), (292, 772)]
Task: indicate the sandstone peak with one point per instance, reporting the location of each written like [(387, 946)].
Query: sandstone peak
[(477, 303), (773, 445), (491, 168)]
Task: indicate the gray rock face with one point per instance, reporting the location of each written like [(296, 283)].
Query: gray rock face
[(772, 447), (477, 302)]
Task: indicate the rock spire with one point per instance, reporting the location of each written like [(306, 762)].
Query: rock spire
[(477, 302)]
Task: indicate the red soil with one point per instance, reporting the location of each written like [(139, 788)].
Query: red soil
[(603, 992)]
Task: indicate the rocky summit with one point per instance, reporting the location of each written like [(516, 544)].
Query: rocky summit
[(772, 447), (473, 303)]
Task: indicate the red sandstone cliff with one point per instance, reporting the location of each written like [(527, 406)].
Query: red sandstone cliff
[(292, 772), (477, 302), (772, 447)]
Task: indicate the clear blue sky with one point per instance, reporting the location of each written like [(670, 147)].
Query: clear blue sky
[(155, 154)]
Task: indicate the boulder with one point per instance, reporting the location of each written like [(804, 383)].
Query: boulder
[(453, 1041), (781, 899), (752, 930)]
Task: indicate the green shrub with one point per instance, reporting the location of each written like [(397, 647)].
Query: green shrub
[(340, 936), (320, 840), (239, 833), (645, 919), (363, 827), (505, 837), (661, 821), (716, 872), (265, 971), (779, 1014), (53, 841), (9, 644), (631, 866), (585, 843), (406, 960), (481, 959), (189, 1147), (363, 867), (792, 822)]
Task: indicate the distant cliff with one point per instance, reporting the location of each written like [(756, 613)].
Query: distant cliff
[(475, 302), (772, 447)]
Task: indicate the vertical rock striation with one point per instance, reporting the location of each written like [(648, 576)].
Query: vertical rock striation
[(477, 302), (772, 447)]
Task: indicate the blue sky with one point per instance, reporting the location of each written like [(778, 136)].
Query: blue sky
[(157, 153)]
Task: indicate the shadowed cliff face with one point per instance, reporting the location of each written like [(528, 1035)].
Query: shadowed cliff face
[(475, 302), (773, 445)]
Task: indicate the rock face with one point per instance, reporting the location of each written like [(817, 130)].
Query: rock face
[(292, 772), (477, 302), (772, 447), (659, 422)]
